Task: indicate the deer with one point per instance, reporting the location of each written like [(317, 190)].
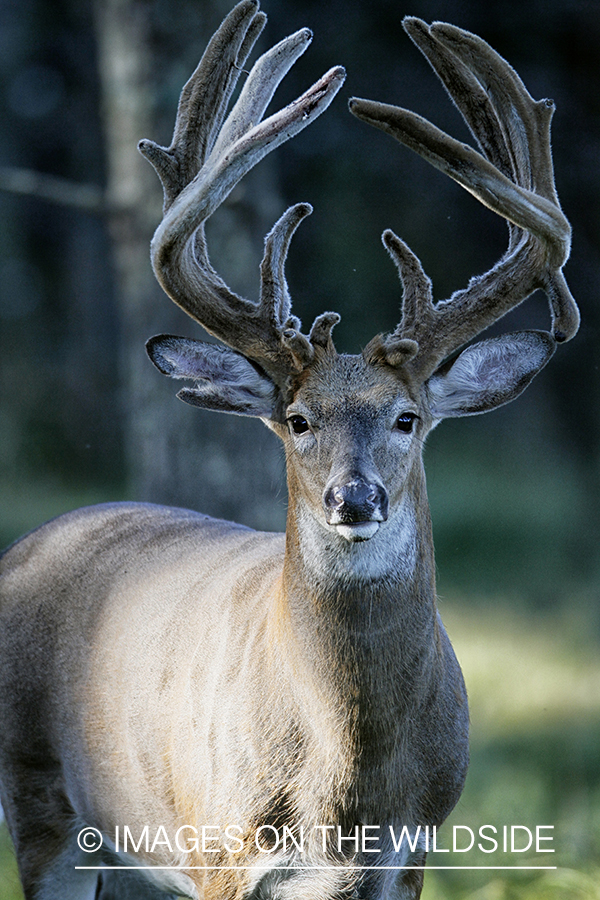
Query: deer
[(262, 714)]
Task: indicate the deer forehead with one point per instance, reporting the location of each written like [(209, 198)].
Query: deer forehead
[(340, 385)]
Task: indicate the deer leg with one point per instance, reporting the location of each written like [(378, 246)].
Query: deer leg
[(407, 886), (127, 885), (40, 821), (412, 883)]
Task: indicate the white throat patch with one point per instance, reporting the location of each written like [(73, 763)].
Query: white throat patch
[(391, 549)]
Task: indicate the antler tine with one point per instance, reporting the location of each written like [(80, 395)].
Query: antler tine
[(204, 100), (529, 156), (206, 159), (514, 134), (469, 95), (513, 176)]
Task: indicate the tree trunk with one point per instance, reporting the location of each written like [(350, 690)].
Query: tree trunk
[(175, 454)]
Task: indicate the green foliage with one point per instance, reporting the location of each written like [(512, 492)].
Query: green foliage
[(28, 502), (513, 495), (534, 686), (511, 515), (10, 888), (565, 884)]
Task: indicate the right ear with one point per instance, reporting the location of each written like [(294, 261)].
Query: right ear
[(225, 380), (488, 374)]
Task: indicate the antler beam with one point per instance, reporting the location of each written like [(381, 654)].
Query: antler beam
[(208, 156), (512, 175)]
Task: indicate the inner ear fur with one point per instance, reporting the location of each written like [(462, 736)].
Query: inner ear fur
[(488, 374), (225, 380)]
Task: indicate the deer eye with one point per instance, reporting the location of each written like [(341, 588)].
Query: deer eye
[(298, 424), (405, 422)]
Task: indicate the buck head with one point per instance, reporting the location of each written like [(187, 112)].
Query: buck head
[(354, 426)]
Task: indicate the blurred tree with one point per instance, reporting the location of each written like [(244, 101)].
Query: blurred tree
[(134, 63), (234, 475)]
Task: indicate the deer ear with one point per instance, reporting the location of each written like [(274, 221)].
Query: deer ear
[(488, 374), (224, 380)]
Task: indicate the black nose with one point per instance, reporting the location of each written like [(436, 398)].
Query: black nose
[(355, 501)]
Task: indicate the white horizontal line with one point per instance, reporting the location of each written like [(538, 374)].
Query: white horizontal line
[(316, 868)]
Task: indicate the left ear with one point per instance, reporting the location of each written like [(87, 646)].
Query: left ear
[(225, 380), (488, 374)]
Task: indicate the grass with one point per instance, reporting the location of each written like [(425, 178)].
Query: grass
[(9, 880), (564, 884), (534, 686)]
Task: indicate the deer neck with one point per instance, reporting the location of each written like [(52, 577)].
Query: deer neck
[(360, 645), (349, 603)]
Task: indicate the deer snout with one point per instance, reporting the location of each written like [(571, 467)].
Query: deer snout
[(356, 507)]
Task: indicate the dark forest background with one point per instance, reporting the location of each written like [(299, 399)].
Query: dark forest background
[(84, 416)]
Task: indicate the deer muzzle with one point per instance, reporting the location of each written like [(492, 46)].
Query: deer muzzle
[(356, 508)]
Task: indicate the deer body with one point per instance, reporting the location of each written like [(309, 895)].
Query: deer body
[(161, 670), (304, 685)]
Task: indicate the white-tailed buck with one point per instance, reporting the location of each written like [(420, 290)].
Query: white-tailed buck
[(247, 715)]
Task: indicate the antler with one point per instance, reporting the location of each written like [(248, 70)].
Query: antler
[(512, 175), (207, 158)]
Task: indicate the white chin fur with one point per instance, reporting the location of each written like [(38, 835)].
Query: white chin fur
[(362, 531)]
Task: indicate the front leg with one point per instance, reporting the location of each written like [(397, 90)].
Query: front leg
[(393, 884), (123, 884)]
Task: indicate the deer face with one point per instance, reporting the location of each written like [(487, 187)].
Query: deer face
[(352, 434), (354, 426)]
